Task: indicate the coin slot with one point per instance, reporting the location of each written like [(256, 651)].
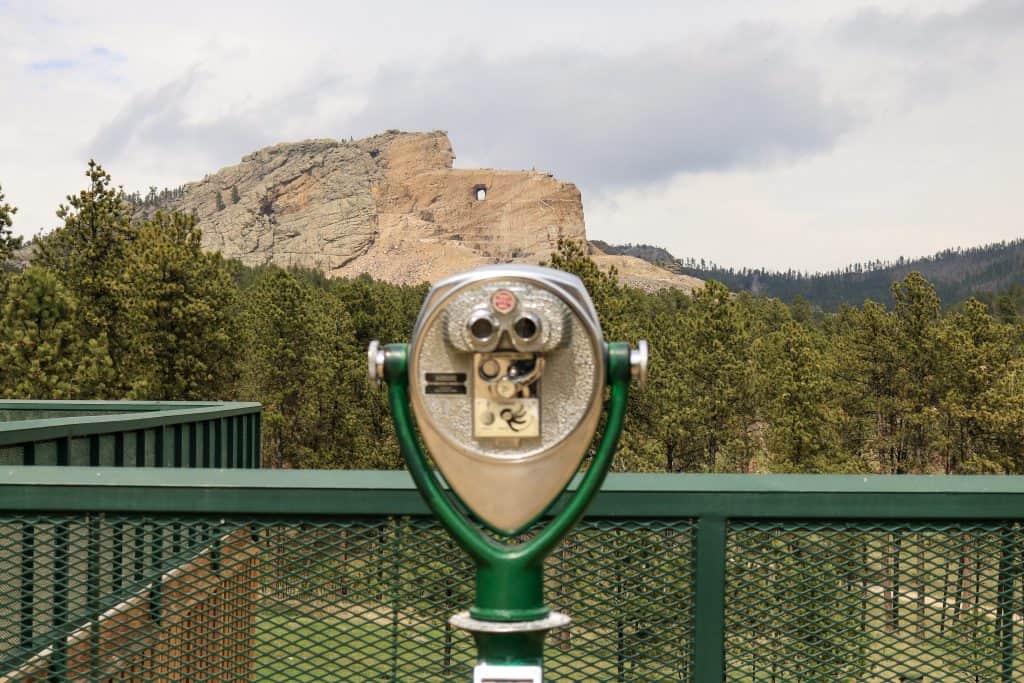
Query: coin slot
[(446, 389), (445, 377)]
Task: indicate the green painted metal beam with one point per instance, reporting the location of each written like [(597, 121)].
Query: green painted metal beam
[(134, 415), (340, 492), (101, 406)]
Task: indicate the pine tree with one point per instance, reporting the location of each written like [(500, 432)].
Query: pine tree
[(220, 201), (658, 437), (796, 401), (234, 194), (917, 310), (43, 354), (603, 286), (8, 242), (176, 301), (978, 356), (288, 365), (87, 254), (719, 402), (864, 350)]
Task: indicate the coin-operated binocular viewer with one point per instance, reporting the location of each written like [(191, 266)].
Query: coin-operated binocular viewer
[(506, 376)]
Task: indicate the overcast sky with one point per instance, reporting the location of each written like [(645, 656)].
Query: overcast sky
[(806, 134)]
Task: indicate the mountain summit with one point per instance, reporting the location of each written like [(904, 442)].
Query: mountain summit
[(392, 206)]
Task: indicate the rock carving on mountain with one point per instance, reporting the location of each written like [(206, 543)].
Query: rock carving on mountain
[(391, 206)]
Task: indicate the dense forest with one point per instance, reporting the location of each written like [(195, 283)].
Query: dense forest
[(111, 305), (987, 272)]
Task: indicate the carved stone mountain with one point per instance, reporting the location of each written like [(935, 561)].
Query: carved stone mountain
[(392, 206)]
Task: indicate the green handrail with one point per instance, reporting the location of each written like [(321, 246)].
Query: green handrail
[(183, 434)]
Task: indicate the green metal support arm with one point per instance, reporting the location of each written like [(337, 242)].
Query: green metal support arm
[(509, 578)]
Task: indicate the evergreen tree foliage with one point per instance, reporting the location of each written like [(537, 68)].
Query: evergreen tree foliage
[(8, 242), (177, 307), (287, 366), (800, 426), (42, 351), (87, 255), (234, 194), (603, 286), (716, 408), (303, 362), (978, 408), (220, 201), (144, 292), (376, 310), (956, 274), (155, 199), (123, 307)]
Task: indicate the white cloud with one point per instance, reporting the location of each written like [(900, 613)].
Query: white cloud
[(617, 121), (937, 31), (602, 121), (909, 184)]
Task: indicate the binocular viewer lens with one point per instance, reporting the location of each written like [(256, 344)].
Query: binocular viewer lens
[(527, 327), (482, 327)]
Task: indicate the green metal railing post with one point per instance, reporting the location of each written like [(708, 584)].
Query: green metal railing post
[(207, 443), (618, 588), (190, 445), (177, 442), (119, 449), (140, 448), (709, 608), (395, 561), (27, 585), (92, 592), (156, 563), (218, 440), (258, 442), (61, 589), (1004, 604), (229, 435), (158, 446), (63, 451), (240, 442)]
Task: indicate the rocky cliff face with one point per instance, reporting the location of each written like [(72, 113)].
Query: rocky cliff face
[(391, 206), (656, 255)]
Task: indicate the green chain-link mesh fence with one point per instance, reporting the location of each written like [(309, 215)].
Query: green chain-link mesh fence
[(874, 602), (116, 597), (278, 592)]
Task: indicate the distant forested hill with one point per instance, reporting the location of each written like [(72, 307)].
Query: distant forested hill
[(956, 274)]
